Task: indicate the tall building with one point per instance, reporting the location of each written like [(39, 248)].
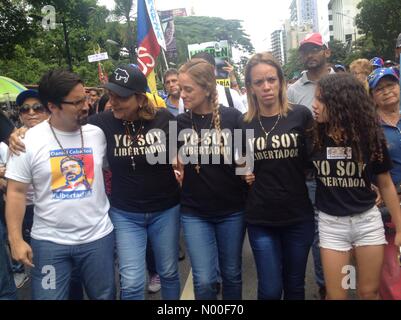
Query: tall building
[(342, 15), (304, 12), (278, 46), (294, 12), (294, 35), (323, 19)]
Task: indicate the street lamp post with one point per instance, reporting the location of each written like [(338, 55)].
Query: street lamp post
[(353, 22)]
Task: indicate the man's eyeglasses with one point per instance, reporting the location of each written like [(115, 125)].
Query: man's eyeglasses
[(37, 107), (78, 103)]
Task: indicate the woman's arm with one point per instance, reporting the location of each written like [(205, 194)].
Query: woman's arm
[(390, 197)]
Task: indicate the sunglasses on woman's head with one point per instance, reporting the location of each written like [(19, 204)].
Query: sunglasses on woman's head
[(37, 107)]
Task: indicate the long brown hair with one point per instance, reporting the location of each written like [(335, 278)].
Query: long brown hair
[(352, 119), (253, 105), (202, 73)]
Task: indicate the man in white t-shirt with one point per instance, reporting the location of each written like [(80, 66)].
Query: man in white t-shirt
[(71, 227)]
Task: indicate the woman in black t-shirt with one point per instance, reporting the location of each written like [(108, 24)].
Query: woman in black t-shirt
[(144, 191), (348, 150), (213, 197), (278, 211)]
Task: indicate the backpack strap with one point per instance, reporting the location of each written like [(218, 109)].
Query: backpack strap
[(229, 97)]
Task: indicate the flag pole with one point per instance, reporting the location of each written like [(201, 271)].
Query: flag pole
[(164, 58)]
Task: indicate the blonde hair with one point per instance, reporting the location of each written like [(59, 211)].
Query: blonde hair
[(147, 110), (202, 73), (365, 67), (253, 105), (361, 64)]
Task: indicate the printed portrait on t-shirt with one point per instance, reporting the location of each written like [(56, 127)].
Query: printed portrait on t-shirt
[(72, 174)]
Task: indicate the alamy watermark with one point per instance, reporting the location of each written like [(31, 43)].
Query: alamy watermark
[(349, 281), (49, 17), (228, 147), (49, 278)]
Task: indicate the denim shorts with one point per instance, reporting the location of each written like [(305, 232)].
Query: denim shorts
[(344, 233)]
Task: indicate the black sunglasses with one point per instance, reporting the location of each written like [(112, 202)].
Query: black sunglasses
[(37, 107)]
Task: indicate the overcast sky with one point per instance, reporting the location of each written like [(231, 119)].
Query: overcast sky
[(261, 17)]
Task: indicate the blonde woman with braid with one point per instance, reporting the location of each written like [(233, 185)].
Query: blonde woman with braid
[(278, 213), (212, 198)]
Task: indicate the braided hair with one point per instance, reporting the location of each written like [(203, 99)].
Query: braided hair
[(202, 73)]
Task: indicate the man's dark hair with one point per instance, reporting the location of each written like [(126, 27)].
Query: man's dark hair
[(205, 56), (168, 73), (55, 85)]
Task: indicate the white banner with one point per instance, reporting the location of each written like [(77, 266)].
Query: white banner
[(154, 19), (98, 57)]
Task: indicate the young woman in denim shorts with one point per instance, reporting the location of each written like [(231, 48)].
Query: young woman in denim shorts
[(349, 155)]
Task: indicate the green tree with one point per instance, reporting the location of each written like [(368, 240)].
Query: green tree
[(124, 10), (14, 27), (294, 65), (380, 20), (23, 67), (87, 30), (190, 30), (339, 51)]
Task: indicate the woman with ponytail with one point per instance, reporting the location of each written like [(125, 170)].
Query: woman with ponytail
[(212, 198), (278, 211)]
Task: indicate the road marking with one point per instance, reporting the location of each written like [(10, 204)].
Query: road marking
[(188, 292)]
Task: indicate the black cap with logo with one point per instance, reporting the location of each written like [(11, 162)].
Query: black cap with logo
[(127, 80)]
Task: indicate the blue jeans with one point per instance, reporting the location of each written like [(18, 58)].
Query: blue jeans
[(8, 291), (132, 232), (319, 277), (281, 255), (209, 240), (51, 276)]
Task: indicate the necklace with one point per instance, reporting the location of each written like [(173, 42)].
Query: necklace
[(133, 138), (61, 147), (274, 126), (199, 136)]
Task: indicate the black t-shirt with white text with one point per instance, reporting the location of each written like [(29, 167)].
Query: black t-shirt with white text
[(149, 187), (216, 190), (279, 195), (343, 184)]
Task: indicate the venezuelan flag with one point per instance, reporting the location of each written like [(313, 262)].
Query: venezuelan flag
[(150, 36)]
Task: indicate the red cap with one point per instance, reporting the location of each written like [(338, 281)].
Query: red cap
[(314, 38)]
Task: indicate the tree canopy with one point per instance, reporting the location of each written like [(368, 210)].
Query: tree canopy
[(193, 29), (380, 21), (28, 50), (14, 27)]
